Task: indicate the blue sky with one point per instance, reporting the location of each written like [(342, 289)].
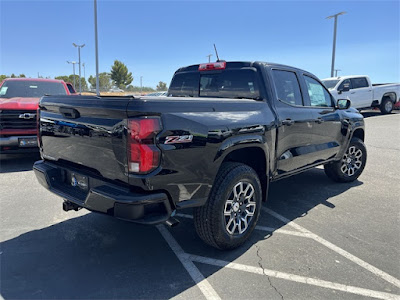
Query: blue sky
[(155, 38)]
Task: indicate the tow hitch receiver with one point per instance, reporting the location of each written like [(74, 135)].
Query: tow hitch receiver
[(68, 205)]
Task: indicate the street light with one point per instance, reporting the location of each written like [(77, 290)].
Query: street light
[(79, 55), (209, 57), (84, 71), (334, 39), (73, 68), (336, 70), (141, 77), (96, 47)]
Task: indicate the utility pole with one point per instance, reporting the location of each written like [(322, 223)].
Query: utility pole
[(84, 71), (141, 87), (73, 68), (336, 70), (79, 55), (334, 40), (209, 57), (96, 47)]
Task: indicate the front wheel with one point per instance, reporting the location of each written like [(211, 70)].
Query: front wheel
[(233, 207), (350, 167)]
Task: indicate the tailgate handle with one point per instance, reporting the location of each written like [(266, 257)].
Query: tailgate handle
[(70, 113)]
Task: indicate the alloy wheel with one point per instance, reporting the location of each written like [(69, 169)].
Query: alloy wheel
[(352, 161), (239, 208)]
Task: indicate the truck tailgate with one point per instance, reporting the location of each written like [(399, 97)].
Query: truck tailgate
[(87, 133)]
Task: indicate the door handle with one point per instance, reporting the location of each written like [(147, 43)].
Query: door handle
[(352, 92), (288, 122), (70, 113), (319, 121)]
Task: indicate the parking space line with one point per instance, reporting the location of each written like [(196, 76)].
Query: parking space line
[(262, 228), (293, 277), (194, 273), (278, 230), (385, 276)]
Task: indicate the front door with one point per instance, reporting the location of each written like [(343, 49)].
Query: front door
[(327, 133)]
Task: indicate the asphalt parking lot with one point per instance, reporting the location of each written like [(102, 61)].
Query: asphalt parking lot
[(316, 239)]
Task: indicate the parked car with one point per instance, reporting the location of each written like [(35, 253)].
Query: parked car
[(224, 133), (362, 93), (158, 94), (116, 90), (19, 100)]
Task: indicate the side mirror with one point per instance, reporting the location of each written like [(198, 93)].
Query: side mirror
[(344, 88), (343, 104)]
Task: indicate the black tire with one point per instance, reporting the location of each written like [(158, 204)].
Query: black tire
[(340, 171), (210, 221), (386, 106)]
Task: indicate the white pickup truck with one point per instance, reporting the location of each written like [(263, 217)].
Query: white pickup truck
[(362, 93)]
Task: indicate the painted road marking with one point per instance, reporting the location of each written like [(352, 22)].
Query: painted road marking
[(293, 277), (196, 275), (349, 256)]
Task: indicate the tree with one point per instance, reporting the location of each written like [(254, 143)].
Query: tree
[(70, 79), (13, 75), (120, 75), (2, 77), (104, 81), (22, 76), (162, 86)]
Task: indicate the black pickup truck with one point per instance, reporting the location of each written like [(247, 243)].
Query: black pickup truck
[(225, 131)]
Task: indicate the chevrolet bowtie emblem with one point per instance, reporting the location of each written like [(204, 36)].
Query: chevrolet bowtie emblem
[(27, 116)]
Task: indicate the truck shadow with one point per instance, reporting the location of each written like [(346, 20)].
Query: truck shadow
[(98, 257), (17, 162), (377, 113)]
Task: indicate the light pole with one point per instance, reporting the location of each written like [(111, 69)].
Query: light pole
[(96, 47), (334, 39), (79, 55), (336, 70), (73, 68), (141, 77), (84, 72), (209, 57)]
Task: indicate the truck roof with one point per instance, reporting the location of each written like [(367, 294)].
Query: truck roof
[(238, 64), (33, 79), (344, 77)]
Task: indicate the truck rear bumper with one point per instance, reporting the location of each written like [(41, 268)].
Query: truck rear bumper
[(18, 144), (101, 196)]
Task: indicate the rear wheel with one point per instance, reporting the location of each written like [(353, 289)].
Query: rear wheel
[(386, 105), (350, 167), (232, 210)]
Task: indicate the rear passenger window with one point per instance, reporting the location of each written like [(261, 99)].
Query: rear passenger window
[(287, 87), (358, 83), (319, 96)]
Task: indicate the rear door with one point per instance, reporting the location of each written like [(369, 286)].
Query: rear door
[(87, 133), (295, 125), (327, 134)]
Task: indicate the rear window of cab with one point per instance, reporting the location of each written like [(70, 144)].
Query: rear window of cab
[(229, 83)]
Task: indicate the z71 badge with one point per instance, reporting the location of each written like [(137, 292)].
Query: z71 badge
[(178, 139)]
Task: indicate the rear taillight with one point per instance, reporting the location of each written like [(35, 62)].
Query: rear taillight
[(212, 66), (143, 154)]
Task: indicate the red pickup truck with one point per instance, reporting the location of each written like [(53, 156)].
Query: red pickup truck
[(19, 100)]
